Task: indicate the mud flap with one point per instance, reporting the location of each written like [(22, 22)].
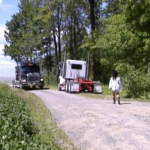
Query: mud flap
[(97, 88)]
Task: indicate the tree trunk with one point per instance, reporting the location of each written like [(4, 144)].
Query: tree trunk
[(59, 32), (92, 21), (55, 43), (71, 39), (92, 14)]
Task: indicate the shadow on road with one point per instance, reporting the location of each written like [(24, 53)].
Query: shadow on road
[(30, 89), (124, 103)]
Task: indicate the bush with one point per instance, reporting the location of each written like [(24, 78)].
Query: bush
[(135, 81)]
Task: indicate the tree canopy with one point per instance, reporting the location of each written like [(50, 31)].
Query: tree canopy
[(115, 32)]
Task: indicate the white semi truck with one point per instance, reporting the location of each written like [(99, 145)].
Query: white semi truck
[(73, 77)]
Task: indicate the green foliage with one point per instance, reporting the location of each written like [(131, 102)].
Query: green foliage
[(17, 129), (136, 82), (120, 34), (112, 7)]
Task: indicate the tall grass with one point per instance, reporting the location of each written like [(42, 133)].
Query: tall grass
[(26, 124)]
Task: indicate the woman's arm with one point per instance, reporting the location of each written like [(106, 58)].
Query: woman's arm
[(110, 83)]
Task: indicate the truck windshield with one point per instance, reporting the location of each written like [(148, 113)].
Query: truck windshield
[(27, 69), (76, 66)]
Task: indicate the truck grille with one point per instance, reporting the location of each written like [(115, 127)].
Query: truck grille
[(33, 78)]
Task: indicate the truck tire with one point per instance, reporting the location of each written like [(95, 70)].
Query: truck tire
[(69, 87), (41, 87), (21, 86), (59, 87), (13, 84)]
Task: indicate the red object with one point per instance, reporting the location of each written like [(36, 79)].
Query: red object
[(85, 85)]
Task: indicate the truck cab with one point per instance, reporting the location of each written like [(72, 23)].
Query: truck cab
[(28, 76), (73, 77)]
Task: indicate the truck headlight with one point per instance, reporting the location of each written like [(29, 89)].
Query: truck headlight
[(23, 80), (42, 79)]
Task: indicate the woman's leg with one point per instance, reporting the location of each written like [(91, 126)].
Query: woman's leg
[(118, 97), (114, 98)]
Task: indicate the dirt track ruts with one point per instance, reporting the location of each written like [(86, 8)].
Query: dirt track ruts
[(94, 124)]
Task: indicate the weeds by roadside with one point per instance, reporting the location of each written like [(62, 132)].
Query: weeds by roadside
[(106, 94), (43, 132)]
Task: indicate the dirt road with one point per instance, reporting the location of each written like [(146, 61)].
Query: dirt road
[(98, 124)]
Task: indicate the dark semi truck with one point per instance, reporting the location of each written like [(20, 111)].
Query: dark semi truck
[(28, 76)]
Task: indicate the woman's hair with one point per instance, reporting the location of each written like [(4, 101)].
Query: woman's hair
[(115, 74)]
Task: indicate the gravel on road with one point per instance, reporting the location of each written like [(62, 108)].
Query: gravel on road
[(96, 124)]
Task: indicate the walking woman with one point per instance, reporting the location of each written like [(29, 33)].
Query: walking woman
[(115, 85)]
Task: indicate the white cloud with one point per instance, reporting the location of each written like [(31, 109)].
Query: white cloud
[(5, 62), (7, 71), (2, 39), (6, 6), (1, 48)]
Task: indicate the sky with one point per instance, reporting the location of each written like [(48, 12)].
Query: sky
[(7, 9)]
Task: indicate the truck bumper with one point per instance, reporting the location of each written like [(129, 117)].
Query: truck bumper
[(32, 85)]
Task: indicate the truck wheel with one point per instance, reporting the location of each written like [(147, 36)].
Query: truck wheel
[(41, 87), (94, 89), (59, 88), (13, 84), (21, 86), (69, 87)]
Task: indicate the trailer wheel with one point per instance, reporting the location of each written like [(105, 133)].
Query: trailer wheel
[(67, 86), (59, 87), (70, 87), (41, 87), (21, 86)]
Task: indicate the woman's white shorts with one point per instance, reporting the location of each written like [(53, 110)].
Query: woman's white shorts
[(114, 91)]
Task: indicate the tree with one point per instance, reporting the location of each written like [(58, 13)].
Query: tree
[(21, 34)]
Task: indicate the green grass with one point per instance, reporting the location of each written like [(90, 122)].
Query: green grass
[(45, 128), (48, 131), (107, 94), (17, 130), (54, 87), (22, 112)]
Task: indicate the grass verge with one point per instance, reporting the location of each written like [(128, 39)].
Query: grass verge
[(45, 127), (54, 87), (107, 94)]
